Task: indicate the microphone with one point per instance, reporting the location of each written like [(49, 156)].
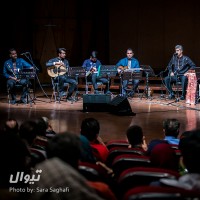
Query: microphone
[(24, 53), (175, 54)]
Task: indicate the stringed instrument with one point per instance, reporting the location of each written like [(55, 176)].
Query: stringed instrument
[(56, 70), (121, 69), (90, 71)]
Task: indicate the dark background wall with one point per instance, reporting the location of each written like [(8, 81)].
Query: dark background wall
[(150, 28)]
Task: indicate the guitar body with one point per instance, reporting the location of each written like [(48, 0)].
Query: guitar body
[(56, 70), (122, 68)]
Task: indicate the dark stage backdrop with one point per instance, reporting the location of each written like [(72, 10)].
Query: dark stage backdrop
[(151, 28)]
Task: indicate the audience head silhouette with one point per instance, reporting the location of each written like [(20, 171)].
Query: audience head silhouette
[(135, 135), (65, 146), (90, 128), (171, 127)]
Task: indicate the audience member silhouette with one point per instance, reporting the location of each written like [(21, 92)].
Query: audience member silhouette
[(90, 128), (171, 130), (57, 174), (163, 156), (65, 146), (190, 150), (49, 129), (136, 138), (11, 126), (15, 158)]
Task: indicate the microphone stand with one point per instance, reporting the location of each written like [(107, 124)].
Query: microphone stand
[(162, 83), (108, 77), (121, 83), (29, 58), (28, 96), (76, 92), (86, 83), (147, 89)]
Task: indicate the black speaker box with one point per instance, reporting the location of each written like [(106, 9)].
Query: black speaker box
[(121, 106), (96, 102)]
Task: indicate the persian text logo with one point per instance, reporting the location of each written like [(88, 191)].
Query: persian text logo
[(27, 178)]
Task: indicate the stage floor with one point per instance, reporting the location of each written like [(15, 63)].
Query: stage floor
[(67, 116)]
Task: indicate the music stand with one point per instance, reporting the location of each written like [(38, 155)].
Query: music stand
[(26, 74), (108, 71), (148, 72), (130, 75)]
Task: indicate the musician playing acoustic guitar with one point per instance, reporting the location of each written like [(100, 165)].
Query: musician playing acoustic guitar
[(92, 67), (58, 68), (129, 62), (11, 70)]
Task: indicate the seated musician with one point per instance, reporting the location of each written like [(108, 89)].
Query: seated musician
[(129, 62), (92, 67), (12, 68), (61, 66), (178, 67)]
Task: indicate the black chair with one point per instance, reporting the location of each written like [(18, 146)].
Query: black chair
[(55, 94), (177, 87), (18, 87)]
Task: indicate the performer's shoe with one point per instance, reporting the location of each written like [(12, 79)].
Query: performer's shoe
[(62, 94), (171, 96), (182, 97), (131, 94), (13, 102), (23, 100), (70, 99), (108, 92)]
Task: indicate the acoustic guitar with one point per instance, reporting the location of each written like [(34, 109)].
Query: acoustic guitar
[(56, 70), (121, 69)]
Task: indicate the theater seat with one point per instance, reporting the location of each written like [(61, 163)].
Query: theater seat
[(92, 171), (116, 151), (160, 193), (138, 176), (127, 161), (117, 143)]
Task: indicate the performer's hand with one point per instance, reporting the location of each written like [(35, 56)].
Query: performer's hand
[(94, 69), (172, 74), (14, 78)]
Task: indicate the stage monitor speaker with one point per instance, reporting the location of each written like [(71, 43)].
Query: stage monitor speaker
[(120, 106), (96, 102)]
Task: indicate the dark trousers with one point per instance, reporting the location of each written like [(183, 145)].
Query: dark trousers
[(135, 83), (174, 79), (66, 79), (94, 79), (11, 84)]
